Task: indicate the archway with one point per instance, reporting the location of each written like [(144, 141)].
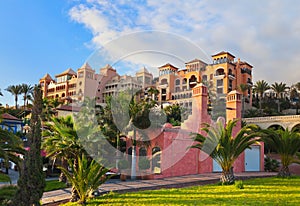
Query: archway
[(156, 160), (296, 128), (192, 81)]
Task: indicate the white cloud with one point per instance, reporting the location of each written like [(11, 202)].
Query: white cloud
[(264, 33)]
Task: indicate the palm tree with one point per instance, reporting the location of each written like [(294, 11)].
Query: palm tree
[(86, 177), (49, 107), (260, 87), (286, 143), (279, 88), (223, 147), (294, 96), (15, 90), (112, 131), (61, 141), (153, 92), (26, 90), (10, 146)]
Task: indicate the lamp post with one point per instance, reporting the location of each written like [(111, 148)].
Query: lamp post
[(26, 129)]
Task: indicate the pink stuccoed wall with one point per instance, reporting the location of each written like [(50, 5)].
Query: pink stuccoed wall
[(177, 159)]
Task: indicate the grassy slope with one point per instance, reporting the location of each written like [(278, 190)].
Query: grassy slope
[(263, 191)]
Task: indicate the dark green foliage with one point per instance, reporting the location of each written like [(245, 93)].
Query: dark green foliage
[(32, 181), (173, 113), (271, 165), (86, 176), (123, 164), (15, 90), (144, 163), (286, 143), (220, 144), (10, 144)]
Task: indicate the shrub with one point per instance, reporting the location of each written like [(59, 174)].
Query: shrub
[(271, 165), (123, 164), (144, 163), (239, 184)]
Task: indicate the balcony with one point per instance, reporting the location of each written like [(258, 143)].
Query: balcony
[(250, 83), (192, 82), (163, 85), (231, 76), (219, 75)]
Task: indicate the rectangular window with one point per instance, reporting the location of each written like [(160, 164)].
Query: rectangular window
[(219, 82), (220, 90)]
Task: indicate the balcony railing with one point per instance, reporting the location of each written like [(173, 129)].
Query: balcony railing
[(231, 76), (219, 75), (250, 83)]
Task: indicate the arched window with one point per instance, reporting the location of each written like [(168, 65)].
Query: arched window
[(156, 160), (220, 72), (142, 152), (297, 128), (177, 82), (184, 81), (164, 81), (192, 81), (276, 127), (129, 152)]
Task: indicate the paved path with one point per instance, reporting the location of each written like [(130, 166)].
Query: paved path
[(54, 197)]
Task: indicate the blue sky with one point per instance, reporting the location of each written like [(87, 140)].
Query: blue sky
[(39, 37)]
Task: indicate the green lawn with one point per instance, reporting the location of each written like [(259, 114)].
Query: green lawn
[(261, 191), (4, 178), (7, 192), (54, 185)]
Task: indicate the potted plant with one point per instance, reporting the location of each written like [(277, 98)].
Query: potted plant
[(144, 165), (123, 164)]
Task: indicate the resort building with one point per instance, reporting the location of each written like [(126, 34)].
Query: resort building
[(71, 86), (222, 76), (174, 85)]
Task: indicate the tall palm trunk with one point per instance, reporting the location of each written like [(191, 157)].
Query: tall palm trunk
[(260, 100), (62, 176), (16, 101), (24, 102), (227, 177), (284, 172), (74, 194)]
